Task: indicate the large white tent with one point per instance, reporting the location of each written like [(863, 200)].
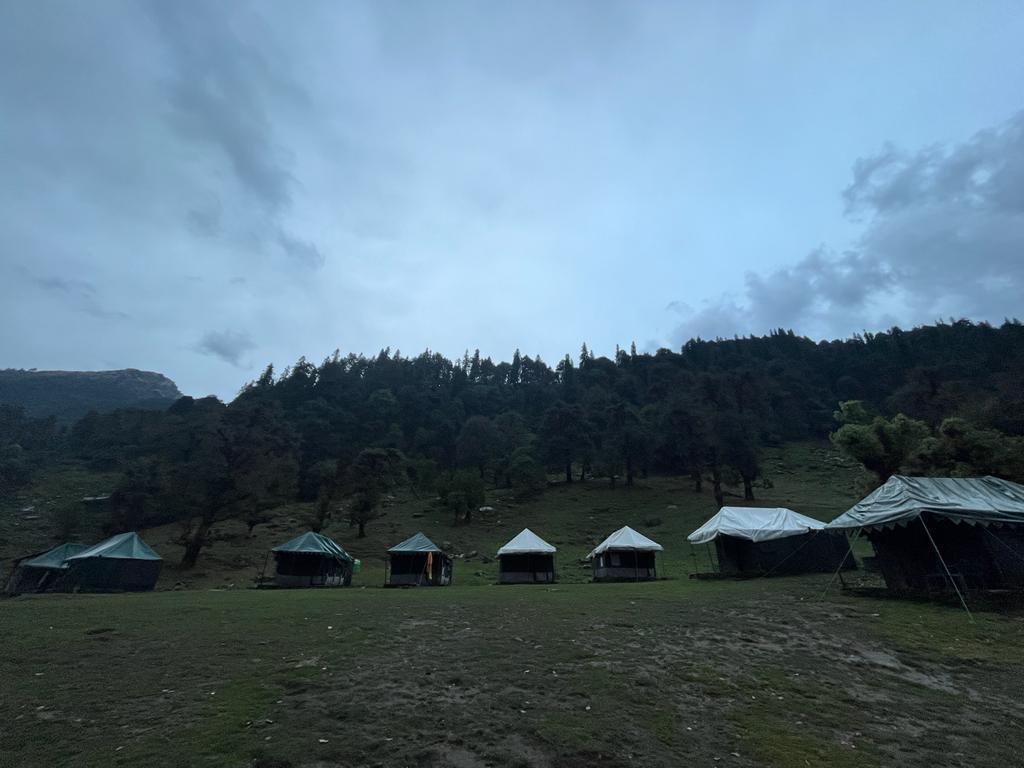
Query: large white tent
[(626, 538), (526, 542), (527, 559), (626, 555), (754, 524)]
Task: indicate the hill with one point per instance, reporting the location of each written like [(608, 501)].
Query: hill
[(69, 395)]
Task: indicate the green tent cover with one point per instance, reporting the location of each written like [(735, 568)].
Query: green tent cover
[(974, 500), (55, 557), (124, 546), (311, 543), (417, 543)]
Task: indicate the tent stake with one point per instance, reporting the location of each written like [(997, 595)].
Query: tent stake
[(946, 568)]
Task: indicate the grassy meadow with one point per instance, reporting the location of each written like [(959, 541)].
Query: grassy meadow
[(676, 672)]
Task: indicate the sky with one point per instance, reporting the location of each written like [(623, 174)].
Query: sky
[(203, 188)]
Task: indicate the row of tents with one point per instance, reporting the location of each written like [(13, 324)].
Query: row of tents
[(927, 534), (314, 560)]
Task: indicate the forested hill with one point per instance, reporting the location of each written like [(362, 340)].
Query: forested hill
[(69, 395), (943, 399)]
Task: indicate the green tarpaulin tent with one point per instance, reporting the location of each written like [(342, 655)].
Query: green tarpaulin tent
[(311, 543), (312, 560), (124, 546), (902, 499), (417, 543), (932, 534), (42, 571), (56, 557), (418, 561), (122, 563)]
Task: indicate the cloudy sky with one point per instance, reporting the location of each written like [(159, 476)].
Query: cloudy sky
[(203, 188)]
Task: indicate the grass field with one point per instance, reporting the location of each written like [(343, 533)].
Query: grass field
[(675, 672), (757, 673)]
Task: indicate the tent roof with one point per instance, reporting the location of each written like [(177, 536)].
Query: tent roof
[(755, 524), (526, 542), (124, 546), (626, 538), (54, 558), (311, 543), (416, 543), (968, 499)]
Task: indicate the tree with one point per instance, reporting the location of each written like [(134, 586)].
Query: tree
[(961, 449), (625, 443), (881, 445), (234, 462), (527, 476), (373, 472), (564, 436), (461, 492), (738, 446), (683, 440), (478, 443)]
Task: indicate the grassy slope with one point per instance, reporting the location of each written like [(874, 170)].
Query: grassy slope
[(810, 478)]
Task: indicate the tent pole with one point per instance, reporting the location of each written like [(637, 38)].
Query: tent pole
[(263, 571), (946, 568), (842, 562)]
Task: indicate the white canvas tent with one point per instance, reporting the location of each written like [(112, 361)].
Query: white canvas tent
[(754, 524), (626, 538), (526, 542), (766, 541), (526, 559), (626, 555)]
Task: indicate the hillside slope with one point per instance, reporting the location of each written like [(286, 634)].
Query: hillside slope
[(808, 477), (69, 395)]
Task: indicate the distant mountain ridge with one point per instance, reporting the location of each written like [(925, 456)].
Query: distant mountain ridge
[(69, 395)]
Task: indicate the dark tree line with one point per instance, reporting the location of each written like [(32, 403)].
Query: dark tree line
[(342, 432)]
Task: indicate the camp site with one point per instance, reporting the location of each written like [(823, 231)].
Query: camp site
[(476, 384)]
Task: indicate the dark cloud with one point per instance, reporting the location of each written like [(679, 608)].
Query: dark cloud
[(302, 252), (943, 236), (220, 91), (229, 346), (79, 294), (205, 221)]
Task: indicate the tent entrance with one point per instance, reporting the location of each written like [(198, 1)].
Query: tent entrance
[(625, 565), (526, 568), (419, 569)]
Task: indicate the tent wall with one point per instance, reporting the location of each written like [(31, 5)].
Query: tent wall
[(102, 574), (806, 553), (410, 570), (310, 570), (25, 578), (978, 558), (625, 565), (526, 569)]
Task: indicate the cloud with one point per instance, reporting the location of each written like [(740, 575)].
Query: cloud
[(229, 346), (220, 90), (943, 236), (303, 252), (80, 294)]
